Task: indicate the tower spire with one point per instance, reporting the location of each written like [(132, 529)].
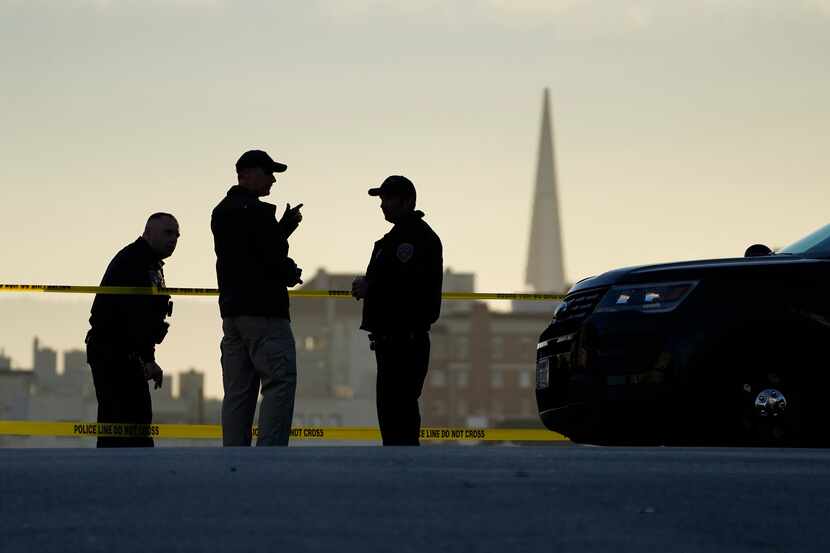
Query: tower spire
[(545, 266)]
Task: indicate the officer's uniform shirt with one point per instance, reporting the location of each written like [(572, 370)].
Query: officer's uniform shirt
[(404, 279), (132, 323)]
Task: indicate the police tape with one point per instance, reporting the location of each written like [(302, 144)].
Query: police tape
[(343, 294), (214, 432)]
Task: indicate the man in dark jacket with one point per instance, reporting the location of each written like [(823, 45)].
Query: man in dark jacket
[(401, 295), (126, 328), (254, 271)]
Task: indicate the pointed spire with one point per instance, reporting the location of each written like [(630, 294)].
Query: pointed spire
[(545, 265)]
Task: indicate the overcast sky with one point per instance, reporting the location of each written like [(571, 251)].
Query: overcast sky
[(683, 129)]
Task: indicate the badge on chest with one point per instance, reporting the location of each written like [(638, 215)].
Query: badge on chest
[(405, 252)]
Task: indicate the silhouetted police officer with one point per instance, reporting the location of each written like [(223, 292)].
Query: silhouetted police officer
[(401, 295), (126, 328)]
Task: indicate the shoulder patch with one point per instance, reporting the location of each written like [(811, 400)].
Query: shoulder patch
[(405, 252)]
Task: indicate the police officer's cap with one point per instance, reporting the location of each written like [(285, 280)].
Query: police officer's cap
[(253, 159), (395, 185)]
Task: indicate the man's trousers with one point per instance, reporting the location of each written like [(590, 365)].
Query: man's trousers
[(403, 361), (257, 350), (122, 391)]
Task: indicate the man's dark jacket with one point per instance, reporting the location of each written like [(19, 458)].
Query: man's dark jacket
[(131, 323), (252, 264), (404, 277)]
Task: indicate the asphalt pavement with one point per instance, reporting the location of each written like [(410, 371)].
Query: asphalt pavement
[(434, 498)]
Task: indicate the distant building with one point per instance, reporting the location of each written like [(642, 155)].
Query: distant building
[(188, 407), (482, 369), (74, 361), (14, 394), (457, 282), (43, 394), (45, 362), (166, 407), (76, 373), (545, 269), (69, 396), (191, 384), (333, 356), (192, 392), (15, 389)]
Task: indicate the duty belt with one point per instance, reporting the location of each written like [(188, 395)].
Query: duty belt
[(380, 338)]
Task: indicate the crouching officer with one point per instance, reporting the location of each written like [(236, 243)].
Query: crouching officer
[(401, 295), (126, 328)]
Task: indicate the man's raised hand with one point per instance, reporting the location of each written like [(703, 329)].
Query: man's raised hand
[(291, 218)]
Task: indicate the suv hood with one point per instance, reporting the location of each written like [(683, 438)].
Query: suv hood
[(684, 270)]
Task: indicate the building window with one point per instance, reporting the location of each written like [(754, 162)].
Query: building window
[(439, 379), (461, 408), (498, 347), (439, 407), (498, 408), (462, 347), (439, 347), (496, 378), (462, 379), (528, 347), (524, 378), (313, 343)]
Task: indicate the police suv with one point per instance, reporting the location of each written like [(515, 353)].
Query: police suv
[(720, 352)]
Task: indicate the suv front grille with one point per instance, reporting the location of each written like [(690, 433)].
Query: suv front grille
[(580, 305)]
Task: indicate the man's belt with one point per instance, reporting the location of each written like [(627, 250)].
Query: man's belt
[(107, 341), (388, 337)]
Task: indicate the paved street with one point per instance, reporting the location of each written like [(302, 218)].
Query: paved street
[(437, 498)]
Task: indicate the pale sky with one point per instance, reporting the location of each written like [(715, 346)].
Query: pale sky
[(683, 129)]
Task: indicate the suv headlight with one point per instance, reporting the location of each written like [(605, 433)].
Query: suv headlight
[(646, 298)]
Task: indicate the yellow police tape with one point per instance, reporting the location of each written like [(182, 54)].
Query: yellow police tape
[(214, 432), (153, 291)]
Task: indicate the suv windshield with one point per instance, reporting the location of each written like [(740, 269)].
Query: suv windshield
[(816, 244)]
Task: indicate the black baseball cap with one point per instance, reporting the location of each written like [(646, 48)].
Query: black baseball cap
[(395, 185), (257, 158)]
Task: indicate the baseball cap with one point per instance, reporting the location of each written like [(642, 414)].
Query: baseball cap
[(394, 185), (257, 158)]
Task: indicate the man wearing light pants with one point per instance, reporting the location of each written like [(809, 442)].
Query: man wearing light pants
[(254, 271)]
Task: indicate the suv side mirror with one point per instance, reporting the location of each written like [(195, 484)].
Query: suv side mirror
[(757, 250)]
